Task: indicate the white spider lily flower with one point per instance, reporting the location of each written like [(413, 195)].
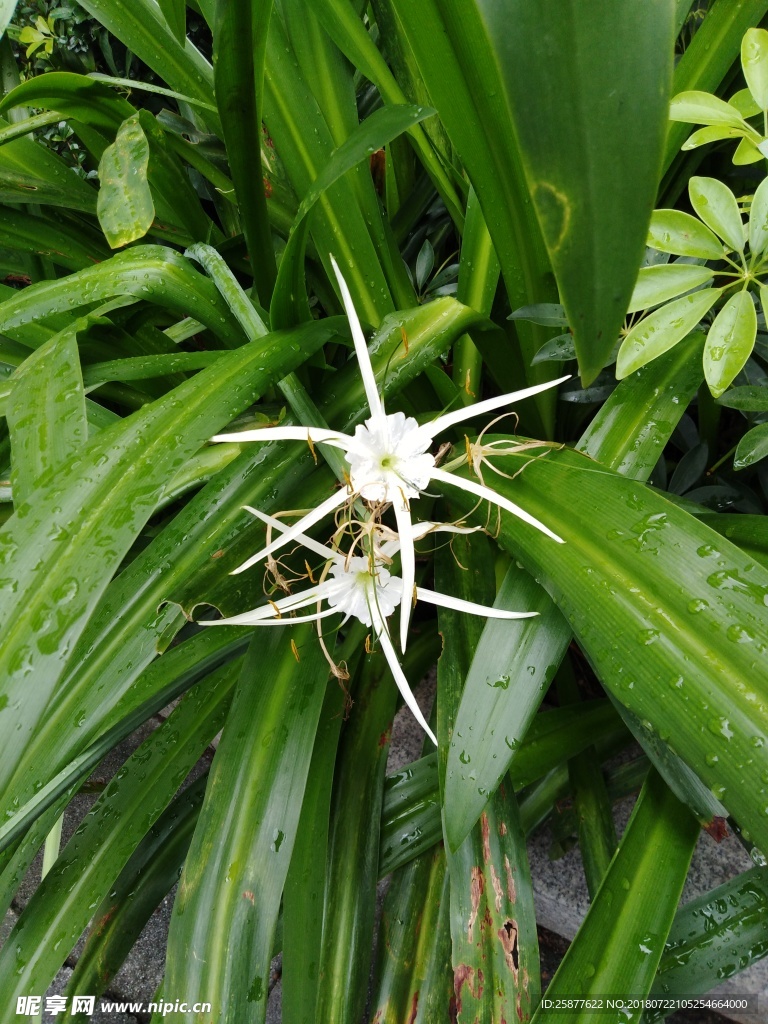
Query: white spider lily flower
[(361, 587), (389, 460)]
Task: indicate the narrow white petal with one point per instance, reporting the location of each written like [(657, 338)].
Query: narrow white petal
[(496, 499), (313, 545), (420, 530), (468, 412), (361, 349), (433, 597), (246, 619), (407, 566), (319, 435), (336, 499), (402, 683)]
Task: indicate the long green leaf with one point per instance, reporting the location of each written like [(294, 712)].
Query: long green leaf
[(493, 924), (240, 40), (229, 895), (462, 50), (46, 412), (103, 497), (627, 434), (619, 945), (290, 304), (723, 929), (573, 138), (62, 905), (353, 849), (694, 643), (140, 888)]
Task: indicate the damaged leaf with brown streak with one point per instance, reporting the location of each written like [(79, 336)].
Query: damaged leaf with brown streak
[(493, 926), (496, 973)]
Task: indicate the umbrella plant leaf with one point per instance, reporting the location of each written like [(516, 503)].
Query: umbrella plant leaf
[(752, 447), (660, 284), (730, 341), (662, 330), (697, 107), (754, 64), (683, 235), (716, 205)]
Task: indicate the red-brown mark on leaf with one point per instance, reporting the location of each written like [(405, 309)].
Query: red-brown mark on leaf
[(717, 828), (485, 828), (248, 895), (502, 829), (476, 889), (511, 891), (496, 883), (465, 975), (384, 738), (414, 1008), (508, 936), (218, 554)]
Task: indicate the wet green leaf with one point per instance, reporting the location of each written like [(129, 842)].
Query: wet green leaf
[(697, 107), (749, 398), (754, 64), (716, 205), (683, 235), (125, 207), (662, 330), (752, 447), (713, 133), (659, 284), (758, 219), (730, 341)]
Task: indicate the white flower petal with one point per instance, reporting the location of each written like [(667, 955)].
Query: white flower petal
[(363, 359), (407, 567), (481, 491), (318, 435), (459, 605), (468, 412), (274, 620), (400, 679), (295, 531), (313, 545)]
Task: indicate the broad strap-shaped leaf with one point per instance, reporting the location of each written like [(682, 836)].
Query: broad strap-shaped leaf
[(572, 139), (150, 272), (46, 412), (716, 205), (125, 207), (290, 304), (175, 14), (618, 946), (229, 895), (240, 41), (61, 907), (139, 25), (697, 638), (102, 497), (138, 891), (414, 977), (462, 48), (353, 848), (75, 96), (713, 936), (493, 924), (659, 284), (730, 341), (663, 329), (627, 434)]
